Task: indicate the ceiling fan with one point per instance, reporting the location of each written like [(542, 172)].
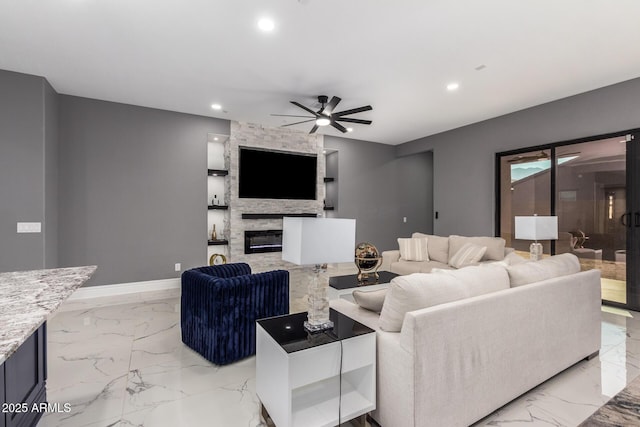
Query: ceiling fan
[(530, 158), (542, 155), (326, 115)]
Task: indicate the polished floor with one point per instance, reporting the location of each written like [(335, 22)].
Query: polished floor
[(124, 365)]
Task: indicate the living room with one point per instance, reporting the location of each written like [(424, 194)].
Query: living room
[(116, 178)]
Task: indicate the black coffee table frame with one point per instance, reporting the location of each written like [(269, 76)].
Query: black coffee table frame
[(351, 280)]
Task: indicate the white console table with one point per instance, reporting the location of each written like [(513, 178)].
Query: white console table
[(307, 380)]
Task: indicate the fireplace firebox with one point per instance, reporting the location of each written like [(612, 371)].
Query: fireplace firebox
[(259, 241)]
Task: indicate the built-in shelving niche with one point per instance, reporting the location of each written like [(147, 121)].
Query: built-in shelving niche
[(217, 193)]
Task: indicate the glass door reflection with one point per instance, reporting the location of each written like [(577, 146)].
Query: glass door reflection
[(591, 206)]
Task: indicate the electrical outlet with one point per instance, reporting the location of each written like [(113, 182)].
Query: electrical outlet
[(178, 267), (404, 219), (29, 227)]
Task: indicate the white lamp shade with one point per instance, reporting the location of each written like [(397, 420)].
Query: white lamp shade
[(311, 241), (537, 227)]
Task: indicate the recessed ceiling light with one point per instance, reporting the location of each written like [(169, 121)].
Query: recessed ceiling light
[(266, 24), (453, 86), (216, 106), (215, 138), (349, 129)]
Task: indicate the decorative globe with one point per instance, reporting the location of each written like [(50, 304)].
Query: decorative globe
[(367, 259)]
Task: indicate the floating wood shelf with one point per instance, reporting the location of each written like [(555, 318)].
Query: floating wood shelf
[(277, 215), (329, 208), (218, 242), (217, 172), (218, 207), (329, 179)]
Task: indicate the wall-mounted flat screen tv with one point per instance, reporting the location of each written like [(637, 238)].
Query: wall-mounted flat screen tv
[(277, 175)]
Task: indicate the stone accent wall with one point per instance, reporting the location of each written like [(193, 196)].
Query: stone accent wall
[(282, 139)]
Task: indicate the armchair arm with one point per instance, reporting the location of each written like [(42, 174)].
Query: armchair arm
[(389, 257)]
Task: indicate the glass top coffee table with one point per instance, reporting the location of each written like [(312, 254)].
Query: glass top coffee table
[(343, 286)]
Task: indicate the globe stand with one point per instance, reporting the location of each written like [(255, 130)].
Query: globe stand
[(368, 260)]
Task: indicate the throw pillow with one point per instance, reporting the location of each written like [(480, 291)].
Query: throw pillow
[(438, 246), (370, 300), (495, 246), (468, 254), (413, 249)]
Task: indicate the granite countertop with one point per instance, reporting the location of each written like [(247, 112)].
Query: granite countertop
[(28, 298)]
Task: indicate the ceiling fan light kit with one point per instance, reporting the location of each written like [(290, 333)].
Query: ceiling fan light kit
[(325, 115)]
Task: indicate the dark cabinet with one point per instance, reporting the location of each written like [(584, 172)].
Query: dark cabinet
[(22, 377)]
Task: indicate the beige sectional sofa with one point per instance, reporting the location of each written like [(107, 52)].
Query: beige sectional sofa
[(441, 250), (454, 346)]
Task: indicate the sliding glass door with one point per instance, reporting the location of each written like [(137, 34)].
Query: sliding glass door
[(592, 186)]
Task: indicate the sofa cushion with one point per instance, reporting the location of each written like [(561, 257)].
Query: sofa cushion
[(413, 249), (409, 267), (416, 291), (495, 246), (482, 279), (370, 300), (469, 254), (422, 290), (547, 268), (438, 247)]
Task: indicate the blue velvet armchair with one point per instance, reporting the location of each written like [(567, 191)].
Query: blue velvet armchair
[(220, 305)]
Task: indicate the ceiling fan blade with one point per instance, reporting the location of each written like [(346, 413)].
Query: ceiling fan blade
[(314, 129), (353, 111), (291, 115), (308, 110), (328, 109), (346, 119), (297, 123), (338, 126)]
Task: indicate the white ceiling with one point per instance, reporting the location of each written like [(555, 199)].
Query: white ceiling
[(398, 56)]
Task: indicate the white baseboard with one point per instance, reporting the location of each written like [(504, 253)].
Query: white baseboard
[(124, 289)]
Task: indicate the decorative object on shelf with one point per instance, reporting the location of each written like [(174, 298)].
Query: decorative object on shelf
[(214, 235), (317, 241), (368, 260), (217, 259), (536, 228), (215, 200)]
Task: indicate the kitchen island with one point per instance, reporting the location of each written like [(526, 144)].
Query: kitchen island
[(27, 300)]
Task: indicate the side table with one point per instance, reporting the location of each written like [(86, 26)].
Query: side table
[(318, 379)]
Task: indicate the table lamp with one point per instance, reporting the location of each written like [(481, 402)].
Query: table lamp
[(536, 228), (318, 241)]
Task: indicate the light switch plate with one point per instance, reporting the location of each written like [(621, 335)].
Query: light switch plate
[(29, 227)]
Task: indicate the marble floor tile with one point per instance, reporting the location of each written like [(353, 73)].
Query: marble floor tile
[(125, 365)]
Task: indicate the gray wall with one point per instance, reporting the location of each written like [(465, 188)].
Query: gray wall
[(132, 189), (27, 109), (378, 190), (464, 158)]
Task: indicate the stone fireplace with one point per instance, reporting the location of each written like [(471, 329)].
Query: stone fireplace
[(265, 215)]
